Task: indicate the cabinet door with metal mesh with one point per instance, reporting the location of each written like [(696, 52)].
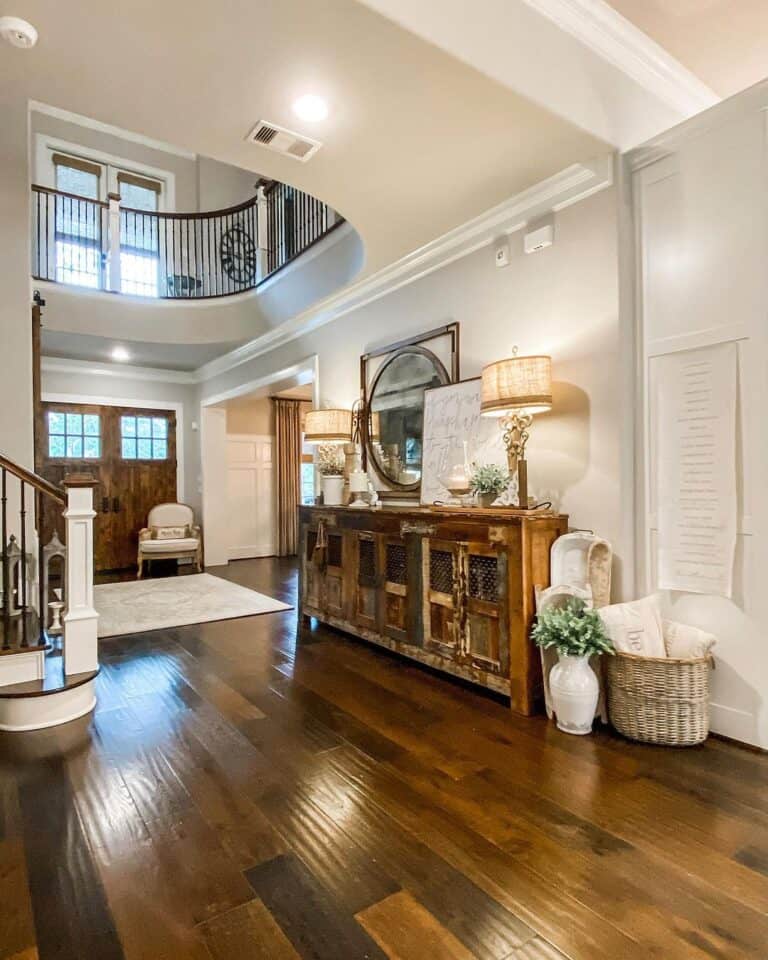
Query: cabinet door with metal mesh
[(366, 580), (334, 575), (440, 576), (395, 567), (485, 637), (313, 576)]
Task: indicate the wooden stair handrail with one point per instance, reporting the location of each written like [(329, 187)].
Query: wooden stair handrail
[(33, 479)]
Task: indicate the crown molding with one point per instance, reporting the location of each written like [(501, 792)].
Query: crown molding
[(35, 106), (752, 100), (555, 193), (611, 36), (118, 371)]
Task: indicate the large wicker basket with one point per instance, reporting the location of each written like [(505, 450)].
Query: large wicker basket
[(659, 701)]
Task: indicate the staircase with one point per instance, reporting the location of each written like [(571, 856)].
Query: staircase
[(43, 683)]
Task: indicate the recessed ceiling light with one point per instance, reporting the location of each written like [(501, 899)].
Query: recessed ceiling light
[(120, 354), (311, 108), (18, 32)]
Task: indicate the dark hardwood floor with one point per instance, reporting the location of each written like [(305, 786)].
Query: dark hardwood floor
[(242, 794)]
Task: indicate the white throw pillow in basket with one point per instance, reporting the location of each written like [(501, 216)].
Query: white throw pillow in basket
[(636, 627), (683, 642)]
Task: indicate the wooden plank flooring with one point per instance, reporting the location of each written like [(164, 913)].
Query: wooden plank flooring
[(241, 793)]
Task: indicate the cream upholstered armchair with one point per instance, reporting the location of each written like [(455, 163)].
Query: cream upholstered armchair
[(171, 533)]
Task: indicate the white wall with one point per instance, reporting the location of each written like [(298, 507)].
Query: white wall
[(216, 519), (701, 253), (253, 415), (201, 183), (183, 168), (15, 299), (563, 301), (124, 387), (220, 185)]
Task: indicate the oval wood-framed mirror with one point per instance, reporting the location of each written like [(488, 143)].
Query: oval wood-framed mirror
[(393, 381)]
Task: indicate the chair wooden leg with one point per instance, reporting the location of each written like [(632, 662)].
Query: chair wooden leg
[(141, 567)]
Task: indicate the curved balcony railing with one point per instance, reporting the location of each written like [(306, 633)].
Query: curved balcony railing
[(104, 246)]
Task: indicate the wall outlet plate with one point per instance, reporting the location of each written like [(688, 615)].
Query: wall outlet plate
[(502, 254)]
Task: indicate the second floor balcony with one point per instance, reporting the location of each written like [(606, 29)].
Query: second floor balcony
[(103, 245)]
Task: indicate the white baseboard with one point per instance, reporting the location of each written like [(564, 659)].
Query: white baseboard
[(252, 551), (736, 724)]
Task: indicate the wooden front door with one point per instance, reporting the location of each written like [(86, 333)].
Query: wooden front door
[(132, 454)]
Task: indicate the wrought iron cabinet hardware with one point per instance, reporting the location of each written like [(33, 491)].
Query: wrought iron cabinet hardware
[(453, 589)]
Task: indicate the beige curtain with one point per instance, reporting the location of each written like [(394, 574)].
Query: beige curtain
[(287, 474)]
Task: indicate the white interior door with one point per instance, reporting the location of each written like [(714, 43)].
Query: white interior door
[(250, 496)]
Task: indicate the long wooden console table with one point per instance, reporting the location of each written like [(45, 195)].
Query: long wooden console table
[(453, 589)]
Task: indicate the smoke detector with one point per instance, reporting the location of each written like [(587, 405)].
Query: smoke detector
[(18, 32), (281, 140)]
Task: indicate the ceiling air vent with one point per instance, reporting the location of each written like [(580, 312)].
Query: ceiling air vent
[(277, 138)]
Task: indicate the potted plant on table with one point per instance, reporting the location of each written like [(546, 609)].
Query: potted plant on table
[(331, 468), (487, 482), (577, 633)]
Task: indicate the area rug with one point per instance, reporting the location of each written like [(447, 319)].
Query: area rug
[(139, 605)]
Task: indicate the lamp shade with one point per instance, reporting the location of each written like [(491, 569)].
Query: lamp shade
[(328, 426), (518, 383)]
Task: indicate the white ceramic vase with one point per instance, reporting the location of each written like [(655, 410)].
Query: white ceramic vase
[(333, 491), (575, 690)]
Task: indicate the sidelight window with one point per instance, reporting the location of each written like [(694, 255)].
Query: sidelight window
[(74, 436), (144, 438)]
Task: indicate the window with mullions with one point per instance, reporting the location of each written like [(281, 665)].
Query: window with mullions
[(74, 436), (139, 235), (78, 230), (144, 438)]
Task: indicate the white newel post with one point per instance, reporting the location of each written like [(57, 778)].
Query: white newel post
[(80, 621), (262, 230), (113, 241)]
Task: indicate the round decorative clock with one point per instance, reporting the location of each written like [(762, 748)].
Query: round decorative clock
[(237, 253)]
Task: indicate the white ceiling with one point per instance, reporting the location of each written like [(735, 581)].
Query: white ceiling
[(165, 356), (416, 143), (724, 42)]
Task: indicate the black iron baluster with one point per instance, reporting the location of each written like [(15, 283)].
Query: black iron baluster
[(173, 258), (23, 564), (188, 277), (298, 219), (255, 235), (42, 600), (226, 276), (162, 254), (273, 216), (208, 271), (197, 253)]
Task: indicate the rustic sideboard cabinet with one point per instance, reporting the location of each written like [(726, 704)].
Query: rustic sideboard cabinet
[(453, 589)]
